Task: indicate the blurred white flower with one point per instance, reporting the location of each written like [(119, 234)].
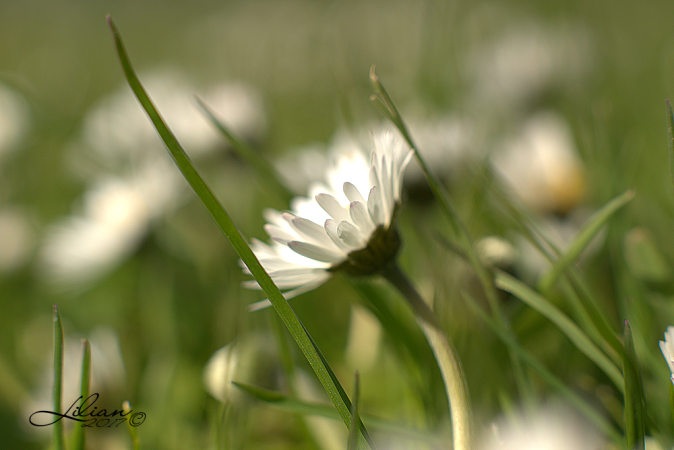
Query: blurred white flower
[(552, 428), (667, 348), (117, 213), (541, 166), (249, 359), (495, 251), (220, 371), (345, 224), (118, 129), (14, 119)]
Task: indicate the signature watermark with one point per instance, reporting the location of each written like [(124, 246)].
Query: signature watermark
[(89, 415)]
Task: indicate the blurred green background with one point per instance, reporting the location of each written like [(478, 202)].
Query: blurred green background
[(174, 295)]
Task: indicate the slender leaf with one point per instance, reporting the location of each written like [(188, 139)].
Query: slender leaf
[(582, 239), (634, 397), (566, 325), (671, 399), (353, 436), (85, 383), (126, 407), (224, 222), (58, 433)]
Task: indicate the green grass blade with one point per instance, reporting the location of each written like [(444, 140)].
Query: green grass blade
[(671, 399), (79, 439), (355, 418), (340, 390), (126, 406), (594, 224), (266, 171), (566, 325), (574, 399), (58, 433), (224, 222), (634, 398)]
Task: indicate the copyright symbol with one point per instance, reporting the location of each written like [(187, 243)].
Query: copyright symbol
[(137, 419)]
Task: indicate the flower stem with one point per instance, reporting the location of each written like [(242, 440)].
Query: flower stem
[(445, 355)]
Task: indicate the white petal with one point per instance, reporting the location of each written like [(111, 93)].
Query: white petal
[(332, 207), (361, 218), (291, 294), (312, 232), (331, 230), (351, 235), (352, 193), (278, 234), (398, 179), (374, 206), (315, 252)]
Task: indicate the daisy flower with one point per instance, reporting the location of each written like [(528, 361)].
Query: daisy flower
[(667, 348), (552, 427), (345, 223)]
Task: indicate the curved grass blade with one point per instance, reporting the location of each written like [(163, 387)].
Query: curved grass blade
[(574, 399), (265, 170), (58, 433), (583, 238), (566, 325), (309, 349), (634, 396), (79, 432), (355, 418)]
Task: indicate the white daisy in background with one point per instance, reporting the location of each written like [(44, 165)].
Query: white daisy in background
[(139, 184), (14, 119), (116, 215), (541, 166), (667, 348), (344, 225), (220, 371), (118, 130), (244, 360), (551, 428)]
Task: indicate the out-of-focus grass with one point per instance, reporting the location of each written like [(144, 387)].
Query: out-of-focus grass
[(178, 298)]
